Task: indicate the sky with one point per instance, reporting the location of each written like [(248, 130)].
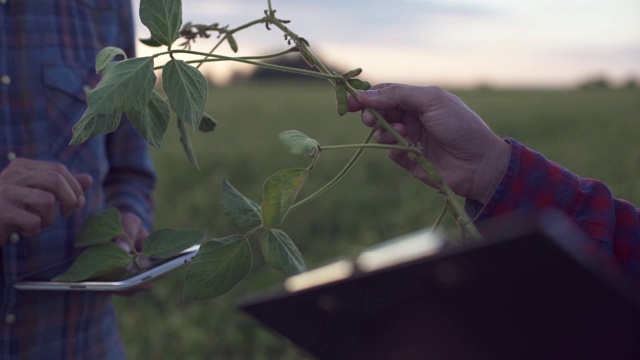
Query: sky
[(463, 43)]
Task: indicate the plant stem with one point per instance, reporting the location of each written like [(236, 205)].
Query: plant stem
[(369, 146), (302, 46), (233, 31), (136, 260), (314, 161), (438, 221), (338, 177), (132, 245), (246, 61), (256, 57)]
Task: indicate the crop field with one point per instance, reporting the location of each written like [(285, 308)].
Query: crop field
[(594, 133)]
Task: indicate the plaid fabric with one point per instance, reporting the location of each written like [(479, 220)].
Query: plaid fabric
[(47, 54), (533, 182)]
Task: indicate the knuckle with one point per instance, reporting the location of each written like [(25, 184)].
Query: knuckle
[(57, 167), (435, 91), (56, 178), (47, 199)]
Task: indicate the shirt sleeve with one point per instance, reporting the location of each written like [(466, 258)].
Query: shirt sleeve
[(533, 182)]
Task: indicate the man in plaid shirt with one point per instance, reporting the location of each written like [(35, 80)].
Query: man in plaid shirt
[(47, 188), (499, 176)]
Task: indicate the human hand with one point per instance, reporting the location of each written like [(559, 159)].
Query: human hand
[(134, 229), (469, 156), (30, 191)]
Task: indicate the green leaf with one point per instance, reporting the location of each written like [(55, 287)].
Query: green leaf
[(126, 87), (163, 18), (96, 261), (280, 191), (151, 42), (91, 124), (168, 242), (208, 123), (299, 143), (185, 140), (281, 253), (100, 228), (106, 55), (152, 121), (218, 267), (240, 209), (186, 89), (232, 43)]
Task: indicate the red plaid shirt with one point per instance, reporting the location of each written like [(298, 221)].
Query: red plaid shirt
[(533, 182), (47, 54)]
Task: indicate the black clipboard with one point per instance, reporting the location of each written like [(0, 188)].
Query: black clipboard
[(530, 291)]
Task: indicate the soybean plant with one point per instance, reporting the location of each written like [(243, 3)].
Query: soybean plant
[(127, 86)]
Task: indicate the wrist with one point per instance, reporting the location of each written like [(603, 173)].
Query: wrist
[(490, 171)]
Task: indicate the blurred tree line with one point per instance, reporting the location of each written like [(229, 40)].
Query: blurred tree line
[(601, 82)]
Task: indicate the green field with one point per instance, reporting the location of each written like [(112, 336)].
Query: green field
[(592, 132)]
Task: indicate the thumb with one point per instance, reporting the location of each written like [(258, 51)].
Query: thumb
[(396, 96)]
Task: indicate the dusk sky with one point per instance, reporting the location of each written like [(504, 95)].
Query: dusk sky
[(448, 43)]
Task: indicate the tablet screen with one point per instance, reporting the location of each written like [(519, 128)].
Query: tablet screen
[(118, 280)]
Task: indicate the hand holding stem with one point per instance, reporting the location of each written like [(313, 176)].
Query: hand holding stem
[(454, 141)]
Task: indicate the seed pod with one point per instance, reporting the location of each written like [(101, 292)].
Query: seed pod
[(341, 99), (353, 73), (359, 84), (232, 43)]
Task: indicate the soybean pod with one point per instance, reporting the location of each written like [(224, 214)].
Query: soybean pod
[(341, 98)]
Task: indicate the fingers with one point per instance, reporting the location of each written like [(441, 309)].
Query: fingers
[(402, 97), (134, 230), (354, 104), (85, 181), (16, 219), (397, 96), (30, 190), (384, 137), (52, 177), (26, 210)]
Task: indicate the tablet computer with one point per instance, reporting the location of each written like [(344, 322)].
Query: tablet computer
[(123, 279), (529, 291)]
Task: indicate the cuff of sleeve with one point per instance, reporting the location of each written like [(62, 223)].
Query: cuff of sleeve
[(477, 210), (530, 182)]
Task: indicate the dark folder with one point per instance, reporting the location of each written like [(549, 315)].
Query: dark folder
[(532, 290)]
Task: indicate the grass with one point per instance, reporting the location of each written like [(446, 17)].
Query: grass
[(593, 133)]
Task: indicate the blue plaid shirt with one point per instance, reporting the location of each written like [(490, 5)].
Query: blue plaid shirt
[(47, 54)]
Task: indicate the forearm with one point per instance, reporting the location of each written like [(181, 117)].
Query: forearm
[(533, 182)]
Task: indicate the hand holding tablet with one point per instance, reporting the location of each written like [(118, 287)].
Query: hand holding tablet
[(124, 279)]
